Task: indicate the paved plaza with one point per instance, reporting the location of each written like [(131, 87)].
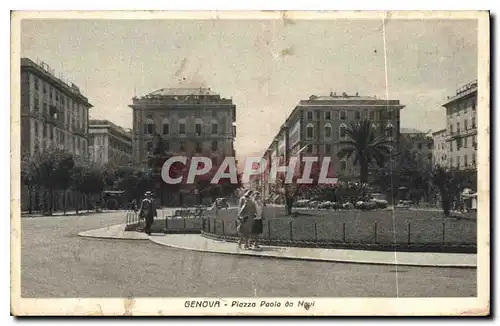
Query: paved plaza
[(57, 262)]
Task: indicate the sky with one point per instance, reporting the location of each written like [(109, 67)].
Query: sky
[(265, 66)]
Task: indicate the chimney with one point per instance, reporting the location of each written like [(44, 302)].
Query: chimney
[(331, 94), (357, 94)]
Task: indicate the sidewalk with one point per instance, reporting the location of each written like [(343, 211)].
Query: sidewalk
[(114, 232), (196, 242), (68, 213)]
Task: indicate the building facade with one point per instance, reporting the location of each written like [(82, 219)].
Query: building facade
[(191, 122), (109, 143), (440, 149), (316, 125), (53, 111), (419, 142), (461, 131)]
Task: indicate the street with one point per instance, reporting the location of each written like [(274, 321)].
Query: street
[(56, 262)]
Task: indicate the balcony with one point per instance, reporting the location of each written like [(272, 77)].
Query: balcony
[(80, 131)]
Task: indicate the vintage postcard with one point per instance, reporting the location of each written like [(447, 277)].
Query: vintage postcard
[(250, 163)]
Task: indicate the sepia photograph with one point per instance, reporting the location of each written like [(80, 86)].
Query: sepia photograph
[(250, 163)]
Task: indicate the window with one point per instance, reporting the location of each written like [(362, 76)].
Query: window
[(429, 156), (465, 142), (36, 127), (215, 128), (372, 115), (429, 146), (328, 131), (451, 146), (328, 115), (466, 163), (451, 161), (214, 145), (149, 127), (182, 127), (343, 131), (419, 146), (197, 129), (343, 115), (310, 131), (357, 115), (389, 115), (451, 129), (390, 130), (473, 122), (182, 147), (343, 165), (45, 88), (36, 83), (165, 127), (458, 127), (473, 105), (458, 161), (309, 115), (328, 148)]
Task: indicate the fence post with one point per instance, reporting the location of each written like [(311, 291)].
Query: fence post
[(291, 231), (315, 232), (409, 232), (184, 223), (443, 231), (343, 231), (166, 224), (269, 229), (223, 228), (375, 231)]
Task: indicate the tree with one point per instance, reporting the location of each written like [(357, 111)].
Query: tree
[(365, 146), (49, 169), (88, 179), (291, 191)]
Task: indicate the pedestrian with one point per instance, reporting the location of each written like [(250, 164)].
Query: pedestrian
[(247, 212), (257, 226), (148, 211)]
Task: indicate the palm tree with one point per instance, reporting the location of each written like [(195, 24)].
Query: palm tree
[(366, 146)]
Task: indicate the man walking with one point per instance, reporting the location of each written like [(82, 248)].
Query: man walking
[(148, 211)]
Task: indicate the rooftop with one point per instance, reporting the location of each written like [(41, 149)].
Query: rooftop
[(106, 123), (181, 92), (410, 131), (43, 69), (465, 90), (334, 96)]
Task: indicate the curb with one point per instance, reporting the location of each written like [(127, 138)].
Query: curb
[(257, 254), (415, 248), (108, 238)]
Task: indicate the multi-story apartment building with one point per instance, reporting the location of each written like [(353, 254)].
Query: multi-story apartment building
[(461, 128), (53, 111), (440, 149), (419, 142), (109, 143), (191, 121), (316, 126)]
